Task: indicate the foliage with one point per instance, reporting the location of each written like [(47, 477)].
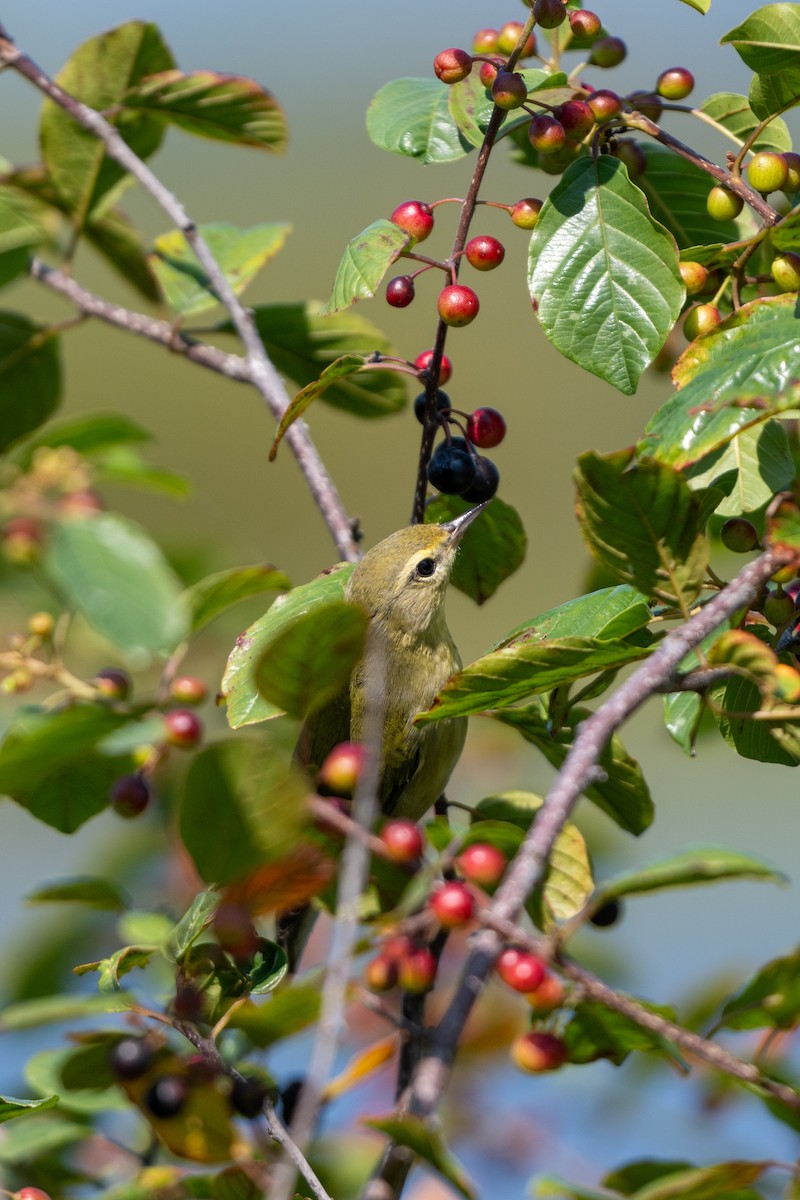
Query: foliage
[(621, 246)]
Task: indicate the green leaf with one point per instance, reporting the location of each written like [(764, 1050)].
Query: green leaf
[(194, 921), (123, 464), (245, 704), (471, 105), (526, 668), (701, 6), (49, 1010), (99, 73), (762, 464), (599, 1032), (733, 701), (213, 595), (110, 970), (641, 520), (706, 864), (49, 763), (45, 1073), (262, 799), (677, 191), (270, 966), (10, 1107), (622, 793), (226, 108), (554, 1185), (491, 550), (289, 1010), (312, 660), (786, 234), (235, 1183), (119, 242), (426, 1141), (775, 93), (301, 344), (89, 435), (412, 117), (33, 1140), (84, 889), (343, 367), (30, 376), (603, 274), (21, 229), (108, 570), (568, 882), (145, 928), (683, 712), (608, 614), (706, 1183), (240, 254), (637, 1174), (366, 259), (737, 376), (734, 114), (768, 40), (783, 526), (769, 999)]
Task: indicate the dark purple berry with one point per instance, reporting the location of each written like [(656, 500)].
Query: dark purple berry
[(607, 914), (167, 1096), (485, 484), (451, 470), (400, 291), (442, 405), (114, 683), (130, 1058), (130, 795)]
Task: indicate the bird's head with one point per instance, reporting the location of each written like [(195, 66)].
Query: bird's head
[(402, 581)]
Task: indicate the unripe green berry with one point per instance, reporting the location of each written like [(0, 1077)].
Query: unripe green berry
[(701, 320), (525, 213), (786, 271), (767, 172), (675, 83), (778, 607), (723, 204), (546, 134), (605, 104), (509, 90), (608, 52), (739, 535)]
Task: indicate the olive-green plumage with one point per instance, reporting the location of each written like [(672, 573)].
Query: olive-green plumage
[(401, 584)]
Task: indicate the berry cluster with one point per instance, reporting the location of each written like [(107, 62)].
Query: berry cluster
[(455, 468)]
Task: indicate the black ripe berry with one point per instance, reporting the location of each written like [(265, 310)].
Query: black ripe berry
[(442, 405), (485, 484), (289, 1097), (130, 795), (248, 1095), (451, 470), (400, 291), (167, 1096), (486, 427), (607, 914), (130, 1058)]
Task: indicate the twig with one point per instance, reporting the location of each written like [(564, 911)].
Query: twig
[(699, 1047), (263, 375), (353, 875), (580, 768)]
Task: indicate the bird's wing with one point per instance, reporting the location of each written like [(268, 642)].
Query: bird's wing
[(322, 730)]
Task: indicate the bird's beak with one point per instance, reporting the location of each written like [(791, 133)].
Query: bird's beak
[(458, 527)]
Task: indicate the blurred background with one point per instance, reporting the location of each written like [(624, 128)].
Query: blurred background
[(324, 62)]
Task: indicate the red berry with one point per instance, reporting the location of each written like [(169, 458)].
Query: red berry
[(509, 89), (458, 305), (488, 72), (485, 41), (608, 52), (403, 840), (547, 996), (31, 1193), (525, 213), (482, 863), (486, 427), (484, 252), (576, 118), (549, 13), (130, 795), (584, 24), (520, 969), (452, 65), (535, 1052), (605, 104), (342, 769), (182, 728), (415, 217), (423, 361), (22, 539), (188, 689), (380, 973), (675, 83), (453, 904), (400, 291), (417, 970), (546, 134)]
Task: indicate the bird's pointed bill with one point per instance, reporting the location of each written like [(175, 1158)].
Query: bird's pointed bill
[(458, 527)]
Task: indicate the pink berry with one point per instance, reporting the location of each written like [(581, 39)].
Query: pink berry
[(182, 728), (403, 840), (535, 1052), (453, 905), (482, 863)]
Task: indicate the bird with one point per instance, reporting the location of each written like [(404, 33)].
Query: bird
[(401, 584)]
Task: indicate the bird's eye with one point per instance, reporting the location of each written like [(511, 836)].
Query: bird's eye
[(426, 567)]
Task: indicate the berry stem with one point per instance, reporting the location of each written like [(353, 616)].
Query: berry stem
[(467, 211)]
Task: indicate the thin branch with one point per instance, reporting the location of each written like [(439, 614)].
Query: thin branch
[(580, 769), (699, 1047), (263, 375)]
